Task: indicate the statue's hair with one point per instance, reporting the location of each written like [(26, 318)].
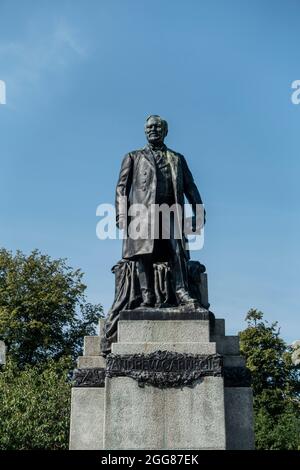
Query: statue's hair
[(163, 121)]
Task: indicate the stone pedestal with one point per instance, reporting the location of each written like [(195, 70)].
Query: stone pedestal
[(88, 394), (2, 352), (174, 380)]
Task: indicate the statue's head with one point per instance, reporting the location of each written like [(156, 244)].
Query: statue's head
[(156, 129)]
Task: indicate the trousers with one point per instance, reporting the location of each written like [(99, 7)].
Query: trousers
[(164, 250)]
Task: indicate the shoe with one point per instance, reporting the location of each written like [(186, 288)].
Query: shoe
[(184, 298)]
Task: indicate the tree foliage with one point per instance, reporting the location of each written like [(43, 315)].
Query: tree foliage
[(35, 405), (44, 316), (43, 310), (275, 382)]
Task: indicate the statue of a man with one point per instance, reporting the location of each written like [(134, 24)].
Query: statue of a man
[(156, 175)]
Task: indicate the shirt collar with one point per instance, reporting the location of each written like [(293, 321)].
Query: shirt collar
[(162, 148)]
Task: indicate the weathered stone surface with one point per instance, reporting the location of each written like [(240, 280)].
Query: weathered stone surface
[(101, 326), (239, 418), (227, 345), (163, 314), (151, 418), (147, 348), (234, 361), (91, 346), (173, 331), (86, 362), (236, 377), (219, 327), (2, 352), (196, 416), (87, 419)]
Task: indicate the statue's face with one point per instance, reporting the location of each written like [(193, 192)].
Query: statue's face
[(155, 131)]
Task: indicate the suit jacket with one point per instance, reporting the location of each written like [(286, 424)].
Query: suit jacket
[(137, 185)]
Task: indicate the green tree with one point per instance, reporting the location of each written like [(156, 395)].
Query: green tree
[(43, 310), (275, 382), (35, 405)]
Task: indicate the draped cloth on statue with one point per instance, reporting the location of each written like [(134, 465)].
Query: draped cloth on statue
[(128, 294)]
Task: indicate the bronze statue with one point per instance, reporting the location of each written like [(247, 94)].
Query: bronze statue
[(156, 175), (155, 271)]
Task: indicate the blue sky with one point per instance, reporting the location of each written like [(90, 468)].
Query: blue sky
[(81, 77)]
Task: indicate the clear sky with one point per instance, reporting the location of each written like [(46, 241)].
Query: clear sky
[(81, 77)]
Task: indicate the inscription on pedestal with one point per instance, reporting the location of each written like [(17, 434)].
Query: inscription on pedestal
[(164, 368), (89, 377)]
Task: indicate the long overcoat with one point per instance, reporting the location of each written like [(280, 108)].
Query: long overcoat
[(137, 185)]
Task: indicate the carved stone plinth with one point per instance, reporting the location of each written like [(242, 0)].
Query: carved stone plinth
[(174, 380)]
